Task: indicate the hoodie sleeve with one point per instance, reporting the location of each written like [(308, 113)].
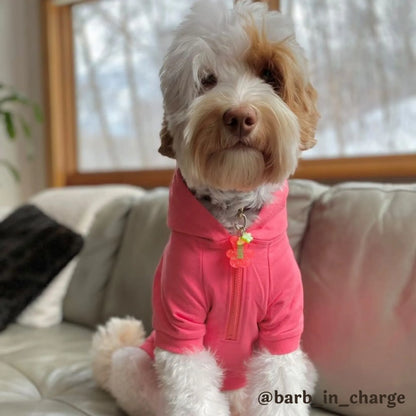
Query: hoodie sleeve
[(282, 326), (178, 297)]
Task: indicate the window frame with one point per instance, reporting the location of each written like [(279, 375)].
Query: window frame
[(62, 134)]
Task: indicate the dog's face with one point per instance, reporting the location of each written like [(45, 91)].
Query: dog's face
[(238, 104)]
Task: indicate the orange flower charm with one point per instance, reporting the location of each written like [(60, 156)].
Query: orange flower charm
[(240, 255)]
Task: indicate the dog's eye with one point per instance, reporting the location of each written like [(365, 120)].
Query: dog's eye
[(267, 76), (209, 81), (270, 77)]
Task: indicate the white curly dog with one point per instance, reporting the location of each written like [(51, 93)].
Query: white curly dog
[(227, 296)]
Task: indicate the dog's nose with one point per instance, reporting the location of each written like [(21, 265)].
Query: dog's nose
[(240, 121)]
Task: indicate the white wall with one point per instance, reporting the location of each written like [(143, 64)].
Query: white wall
[(21, 67)]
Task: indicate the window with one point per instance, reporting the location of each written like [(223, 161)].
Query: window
[(363, 67), (105, 106), (119, 48), (362, 56)]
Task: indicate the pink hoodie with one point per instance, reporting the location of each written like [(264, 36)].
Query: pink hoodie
[(200, 301)]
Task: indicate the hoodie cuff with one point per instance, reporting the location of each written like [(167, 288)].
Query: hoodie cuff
[(178, 346)]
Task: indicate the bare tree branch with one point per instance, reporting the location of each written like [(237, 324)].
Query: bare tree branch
[(108, 141)]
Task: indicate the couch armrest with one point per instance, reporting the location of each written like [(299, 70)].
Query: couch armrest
[(359, 273), (77, 207)]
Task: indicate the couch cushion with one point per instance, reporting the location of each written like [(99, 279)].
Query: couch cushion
[(359, 268), (130, 290), (47, 372), (83, 301), (302, 195), (314, 411)]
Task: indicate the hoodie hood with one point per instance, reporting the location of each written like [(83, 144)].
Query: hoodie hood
[(188, 216)]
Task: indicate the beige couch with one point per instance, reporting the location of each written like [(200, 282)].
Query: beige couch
[(356, 246)]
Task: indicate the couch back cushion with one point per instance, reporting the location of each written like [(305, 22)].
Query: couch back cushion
[(359, 268), (129, 292), (302, 196), (100, 214)]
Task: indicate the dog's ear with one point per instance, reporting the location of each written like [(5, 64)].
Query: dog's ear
[(308, 118), (298, 94), (166, 148)]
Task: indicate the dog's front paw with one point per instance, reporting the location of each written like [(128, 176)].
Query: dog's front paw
[(190, 384), (280, 385)]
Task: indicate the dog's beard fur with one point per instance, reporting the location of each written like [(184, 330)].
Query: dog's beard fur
[(212, 157)]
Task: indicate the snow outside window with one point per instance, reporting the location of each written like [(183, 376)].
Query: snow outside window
[(362, 56)]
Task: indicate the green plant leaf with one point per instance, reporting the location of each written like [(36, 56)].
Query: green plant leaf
[(11, 118), (11, 97), (37, 112), (11, 130), (12, 170), (25, 127)]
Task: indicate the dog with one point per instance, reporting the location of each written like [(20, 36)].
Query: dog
[(227, 300)]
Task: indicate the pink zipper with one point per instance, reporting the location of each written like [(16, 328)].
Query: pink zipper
[(235, 304)]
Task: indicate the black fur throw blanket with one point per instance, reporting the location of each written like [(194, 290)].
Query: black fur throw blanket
[(33, 250)]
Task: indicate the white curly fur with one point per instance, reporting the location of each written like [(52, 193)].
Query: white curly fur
[(190, 384), (238, 401), (116, 334), (133, 382), (289, 374)]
